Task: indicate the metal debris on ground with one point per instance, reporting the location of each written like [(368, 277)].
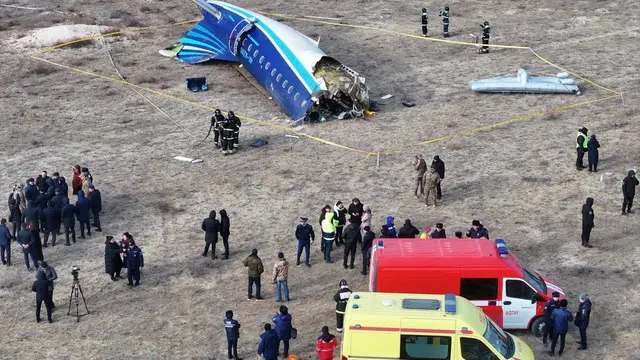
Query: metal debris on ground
[(408, 104), (189, 160), (197, 84), (388, 96)]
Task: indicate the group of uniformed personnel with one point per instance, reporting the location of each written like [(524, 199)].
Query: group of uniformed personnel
[(446, 15), (226, 131)]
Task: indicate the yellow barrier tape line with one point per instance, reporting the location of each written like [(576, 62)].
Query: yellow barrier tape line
[(545, 112), (194, 104), (125, 31), (572, 73)]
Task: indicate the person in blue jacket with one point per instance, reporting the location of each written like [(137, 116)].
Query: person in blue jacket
[(561, 318), (135, 261), (51, 223), (232, 329), (31, 190), (283, 328), (391, 228), (269, 342), (82, 213), (41, 202)]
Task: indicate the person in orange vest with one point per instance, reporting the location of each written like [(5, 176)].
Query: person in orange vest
[(325, 344)]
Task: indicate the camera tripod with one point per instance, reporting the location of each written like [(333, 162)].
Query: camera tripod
[(75, 288)]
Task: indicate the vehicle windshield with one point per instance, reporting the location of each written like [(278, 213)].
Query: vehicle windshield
[(534, 280), (499, 340)]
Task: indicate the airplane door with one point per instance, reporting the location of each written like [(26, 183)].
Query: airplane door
[(235, 37), (517, 308)]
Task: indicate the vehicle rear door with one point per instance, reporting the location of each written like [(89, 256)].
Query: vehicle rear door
[(516, 303)]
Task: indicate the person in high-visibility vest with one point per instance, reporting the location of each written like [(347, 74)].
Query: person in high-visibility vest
[(328, 233), (582, 141)]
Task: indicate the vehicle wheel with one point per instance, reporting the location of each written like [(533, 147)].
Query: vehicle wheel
[(537, 326)]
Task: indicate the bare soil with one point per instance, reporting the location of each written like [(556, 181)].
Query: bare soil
[(519, 179)]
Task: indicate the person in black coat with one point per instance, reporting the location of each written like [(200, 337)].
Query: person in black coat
[(41, 182), (592, 148), (52, 224), (439, 166), (41, 202), (96, 206), (352, 237), (26, 239), (305, 236), (42, 287), (477, 231), (225, 226), (367, 244), (356, 209), (69, 221), (63, 187), (439, 232), (31, 190), (587, 222), (628, 191), (58, 202), (211, 227), (37, 242), (408, 231), (112, 260)]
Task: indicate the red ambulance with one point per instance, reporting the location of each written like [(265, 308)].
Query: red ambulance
[(481, 270)]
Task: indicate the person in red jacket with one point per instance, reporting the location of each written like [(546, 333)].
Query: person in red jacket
[(325, 344), (76, 183)]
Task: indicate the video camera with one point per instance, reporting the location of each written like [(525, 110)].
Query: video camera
[(74, 272)]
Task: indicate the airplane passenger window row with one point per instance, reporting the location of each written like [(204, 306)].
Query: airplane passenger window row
[(274, 71)]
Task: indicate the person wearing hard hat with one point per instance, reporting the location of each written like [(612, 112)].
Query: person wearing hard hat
[(341, 297)]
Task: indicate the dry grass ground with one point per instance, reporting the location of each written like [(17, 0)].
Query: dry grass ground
[(518, 179)]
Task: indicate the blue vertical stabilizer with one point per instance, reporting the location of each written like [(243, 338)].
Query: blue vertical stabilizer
[(202, 44)]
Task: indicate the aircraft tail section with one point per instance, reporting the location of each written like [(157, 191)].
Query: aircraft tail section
[(202, 44)]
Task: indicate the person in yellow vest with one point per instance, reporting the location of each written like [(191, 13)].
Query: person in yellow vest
[(581, 146), (425, 234), (328, 224)]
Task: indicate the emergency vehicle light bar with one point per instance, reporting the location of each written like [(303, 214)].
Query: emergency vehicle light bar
[(502, 247), (450, 303)]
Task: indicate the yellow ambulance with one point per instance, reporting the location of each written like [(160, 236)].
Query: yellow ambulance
[(381, 326)]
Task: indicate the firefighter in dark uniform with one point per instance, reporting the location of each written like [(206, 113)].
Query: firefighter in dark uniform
[(485, 36), (227, 128), (236, 132), (341, 298), (425, 21), (552, 304), (445, 21), (216, 120)]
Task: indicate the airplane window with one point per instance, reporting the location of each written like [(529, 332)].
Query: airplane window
[(244, 41), (284, 84), (278, 77), (290, 89), (296, 96), (273, 72), (261, 59), (250, 47), (304, 102), (267, 65), (255, 53)]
